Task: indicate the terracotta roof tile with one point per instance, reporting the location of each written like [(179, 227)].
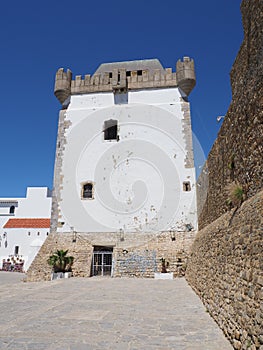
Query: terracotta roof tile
[(28, 223)]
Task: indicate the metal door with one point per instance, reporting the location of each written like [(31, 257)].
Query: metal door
[(101, 263)]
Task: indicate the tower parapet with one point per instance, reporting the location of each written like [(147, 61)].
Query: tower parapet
[(185, 73), (62, 88), (123, 76)]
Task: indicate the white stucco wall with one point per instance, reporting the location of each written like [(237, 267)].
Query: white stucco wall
[(138, 180), (29, 241), (36, 204)]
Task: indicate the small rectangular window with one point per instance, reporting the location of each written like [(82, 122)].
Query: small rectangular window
[(111, 130), (87, 191), (16, 249)]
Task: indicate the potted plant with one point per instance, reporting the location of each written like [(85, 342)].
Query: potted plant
[(61, 264), (164, 274), (164, 265)]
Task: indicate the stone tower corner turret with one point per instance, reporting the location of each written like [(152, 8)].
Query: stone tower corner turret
[(185, 74), (62, 84)]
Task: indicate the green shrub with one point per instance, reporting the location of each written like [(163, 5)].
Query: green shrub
[(235, 194), (60, 261)]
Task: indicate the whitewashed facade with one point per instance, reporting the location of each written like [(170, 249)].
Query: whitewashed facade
[(142, 177), (24, 226)]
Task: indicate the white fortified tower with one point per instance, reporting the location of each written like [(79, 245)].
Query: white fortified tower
[(124, 172), (124, 150)]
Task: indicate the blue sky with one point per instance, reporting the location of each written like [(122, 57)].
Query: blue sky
[(37, 38)]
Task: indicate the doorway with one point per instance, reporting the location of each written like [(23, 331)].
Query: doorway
[(102, 261)]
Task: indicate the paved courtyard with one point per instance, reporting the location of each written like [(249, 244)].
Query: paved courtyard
[(97, 313)]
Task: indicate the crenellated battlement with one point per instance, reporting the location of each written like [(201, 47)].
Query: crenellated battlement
[(122, 79), (123, 76), (185, 72), (62, 88)]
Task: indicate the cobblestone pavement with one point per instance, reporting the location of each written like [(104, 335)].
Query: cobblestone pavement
[(104, 313)]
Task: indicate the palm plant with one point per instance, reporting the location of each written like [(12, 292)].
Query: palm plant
[(60, 261)]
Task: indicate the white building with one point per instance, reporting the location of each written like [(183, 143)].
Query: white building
[(124, 153), (124, 197), (24, 226)]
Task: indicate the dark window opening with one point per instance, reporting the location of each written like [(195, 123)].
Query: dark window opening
[(111, 130), (187, 186), (189, 227), (87, 191), (16, 249), (12, 209), (128, 73), (99, 248), (139, 72), (119, 77), (110, 75)]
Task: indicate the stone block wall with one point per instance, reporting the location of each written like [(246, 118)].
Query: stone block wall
[(144, 260), (134, 254), (236, 156), (135, 262), (225, 269), (81, 250)]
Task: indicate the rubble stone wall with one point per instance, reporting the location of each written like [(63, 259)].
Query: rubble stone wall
[(225, 269), (236, 155)]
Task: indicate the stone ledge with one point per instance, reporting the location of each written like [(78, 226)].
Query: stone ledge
[(163, 276)]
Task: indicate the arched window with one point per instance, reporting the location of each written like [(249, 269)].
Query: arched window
[(88, 191), (12, 209), (187, 186)]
